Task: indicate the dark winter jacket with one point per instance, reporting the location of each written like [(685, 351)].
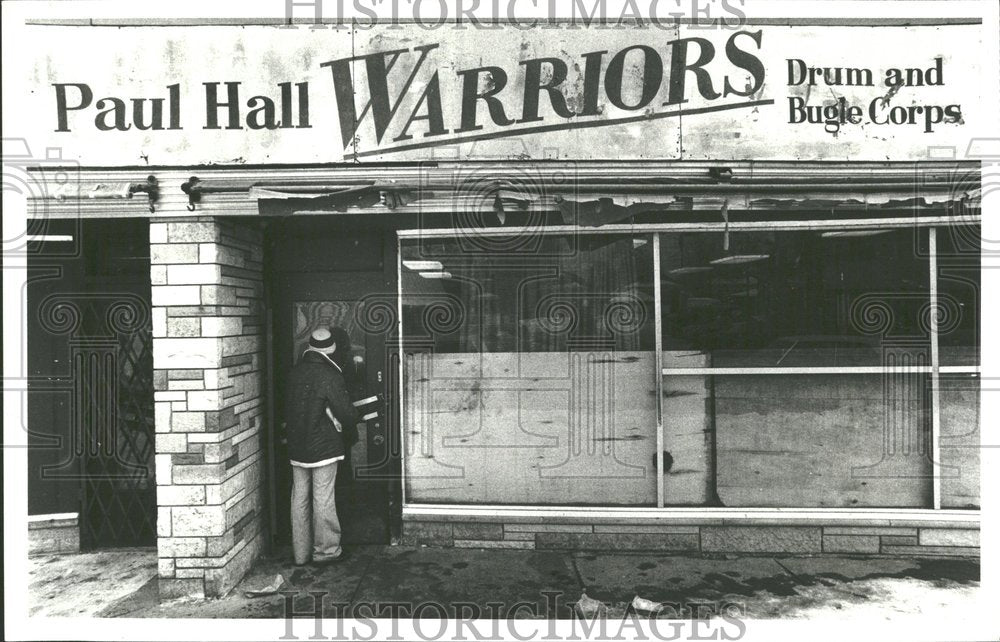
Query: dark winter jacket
[(314, 385)]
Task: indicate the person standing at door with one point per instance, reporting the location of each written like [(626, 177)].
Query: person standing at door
[(318, 408)]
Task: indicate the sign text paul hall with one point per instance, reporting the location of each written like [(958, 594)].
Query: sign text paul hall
[(639, 81)]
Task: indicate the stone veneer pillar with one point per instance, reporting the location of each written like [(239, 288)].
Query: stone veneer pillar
[(208, 355)]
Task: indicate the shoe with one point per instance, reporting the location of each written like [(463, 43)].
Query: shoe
[(329, 561)]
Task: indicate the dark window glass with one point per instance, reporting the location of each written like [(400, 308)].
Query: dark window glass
[(783, 299), (958, 295), (572, 293)]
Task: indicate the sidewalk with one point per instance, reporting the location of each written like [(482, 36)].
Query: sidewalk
[(84, 584), (548, 583)]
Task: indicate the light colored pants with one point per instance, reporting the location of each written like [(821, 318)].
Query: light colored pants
[(315, 527)]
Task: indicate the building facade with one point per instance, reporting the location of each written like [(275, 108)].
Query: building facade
[(652, 288)]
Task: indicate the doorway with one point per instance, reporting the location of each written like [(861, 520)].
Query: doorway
[(324, 275), (91, 437)]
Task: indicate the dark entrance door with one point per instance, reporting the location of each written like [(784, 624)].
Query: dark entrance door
[(90, 391), (305, 301)]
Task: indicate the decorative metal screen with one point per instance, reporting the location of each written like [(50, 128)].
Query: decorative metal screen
[(113, 413)]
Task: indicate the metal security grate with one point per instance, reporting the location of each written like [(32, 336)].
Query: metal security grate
[(114, 391)]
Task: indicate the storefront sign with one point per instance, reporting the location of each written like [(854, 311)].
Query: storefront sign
[(298, 95)]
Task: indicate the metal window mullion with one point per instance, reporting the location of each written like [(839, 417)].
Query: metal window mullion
[(905, 222), (538, 513), (935, 368), (804, 370), (959, 369), (402, 364), (658, 324)]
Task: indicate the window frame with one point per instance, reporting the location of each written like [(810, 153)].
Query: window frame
[(935, 370)]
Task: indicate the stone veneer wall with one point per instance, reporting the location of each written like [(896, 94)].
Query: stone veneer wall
[(208, 355), (894, 537)]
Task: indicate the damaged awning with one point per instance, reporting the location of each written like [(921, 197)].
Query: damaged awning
[(589, 209), (587, 195), (595, 203)]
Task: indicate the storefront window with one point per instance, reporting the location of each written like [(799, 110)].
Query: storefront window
[(797, 369), (958, 336), (740, 309), (530, 373)]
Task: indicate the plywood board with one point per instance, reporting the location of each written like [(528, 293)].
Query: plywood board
[(585, 438), (960, 441), (688, 432), (822, 440)]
